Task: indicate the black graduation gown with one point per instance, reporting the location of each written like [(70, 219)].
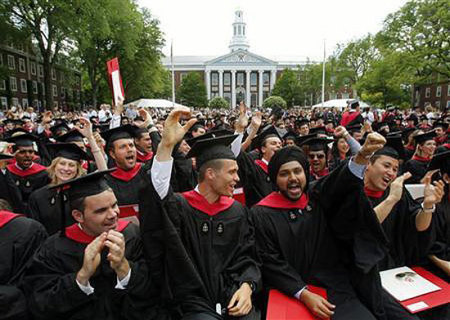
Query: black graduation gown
[(53, 293), (299, 247), (19, 238), (407, 246), (10, 192), (254, 178), (184, 177), (126, 186), (28, 180), (45, 206), (418, 169), (203, 258)]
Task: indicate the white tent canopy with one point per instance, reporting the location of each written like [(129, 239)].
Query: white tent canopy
[(338, 103), (153, 103)]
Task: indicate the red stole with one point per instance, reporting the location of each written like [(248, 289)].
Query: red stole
[(372, 193), (279, 201), (348, 117), (200, 203), (33, 169), (321, 173), (85, 164), (75, 233), (141, 157), (262, 165), (7, 216), (126, 175), (421, 159)]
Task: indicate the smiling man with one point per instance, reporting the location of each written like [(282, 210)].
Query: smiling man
[(202, 237), (93, 269), (299, 229)]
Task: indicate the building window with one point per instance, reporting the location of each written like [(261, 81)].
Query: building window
[(438, 91), (43, 88), (240, 79), (11, 62), (4, 102), (53, 74), (33, 68), (35, 87), (266, 78), (253, 79), (239, 30), (22, 65), (214, 78), (55, 91), (23, 85), (40, 71), (2, 85), (25, 103), (15, 102), (13, 83), (427, 92)]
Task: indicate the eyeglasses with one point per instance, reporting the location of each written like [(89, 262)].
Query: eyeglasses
[(318, 156)]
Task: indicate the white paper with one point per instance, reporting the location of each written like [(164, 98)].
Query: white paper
[(416, 190), (417, 306), (404, 283), (117, 90)]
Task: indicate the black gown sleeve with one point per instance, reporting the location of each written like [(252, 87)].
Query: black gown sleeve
[(276, 271)]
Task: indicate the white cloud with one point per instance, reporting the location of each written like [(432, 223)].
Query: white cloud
[(274, 28)]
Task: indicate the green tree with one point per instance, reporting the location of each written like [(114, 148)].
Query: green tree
[(288, 87), (192, 91), (421, 30), (218, 103), (388, 81), (48, 22), (274, 101)]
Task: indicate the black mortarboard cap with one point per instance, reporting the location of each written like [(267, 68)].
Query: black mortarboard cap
[(18, 122), (353, 104), (318, 130), (23, 140), (317, 143), (299, 122), (266, 132), (71, 136), (88, 185), (289, 135), (67, 150), (440, 161), (59, 128), (211, 149), (4, 156), (407, 131), (420, 138), (441, 124), (122, 132), (393, 148), (209, 135), (14, 131), (300, 139), (423, 117), (101, 127)]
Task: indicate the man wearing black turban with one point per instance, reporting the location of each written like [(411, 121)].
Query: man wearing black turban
[(314, 236)]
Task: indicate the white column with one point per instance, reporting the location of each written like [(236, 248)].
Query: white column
[(273, 78), (208, 83), (247, 88), (233, 89), (221, 83), (260, 87)]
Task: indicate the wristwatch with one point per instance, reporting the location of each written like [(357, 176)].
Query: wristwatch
[(428, 209)]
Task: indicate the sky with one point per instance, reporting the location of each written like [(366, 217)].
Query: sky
[(275, 28)]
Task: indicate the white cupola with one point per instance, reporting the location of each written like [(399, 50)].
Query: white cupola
[(239, 40)]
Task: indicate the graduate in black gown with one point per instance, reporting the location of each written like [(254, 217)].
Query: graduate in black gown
[(202, 238), (27, 175), (298, 228), (405, 223), (8, 189), (93, 269), (130, 176), (253, 173), (143, 143), (19, 238), (317, 153), (425, 148)]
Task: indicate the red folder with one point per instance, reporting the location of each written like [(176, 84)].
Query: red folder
[(429, 300), (282, 307), (113, 67)]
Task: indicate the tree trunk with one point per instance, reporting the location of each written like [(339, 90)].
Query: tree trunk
[(48, 82)]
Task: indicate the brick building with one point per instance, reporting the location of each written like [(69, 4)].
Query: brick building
[(24, 81), (435, 93)]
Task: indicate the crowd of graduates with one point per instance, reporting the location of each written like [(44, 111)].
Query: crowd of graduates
[(198, 214)]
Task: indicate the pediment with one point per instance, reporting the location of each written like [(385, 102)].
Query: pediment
[(241, 57)]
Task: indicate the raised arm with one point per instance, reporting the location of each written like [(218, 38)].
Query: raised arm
[(95, 149), (173, 133)]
